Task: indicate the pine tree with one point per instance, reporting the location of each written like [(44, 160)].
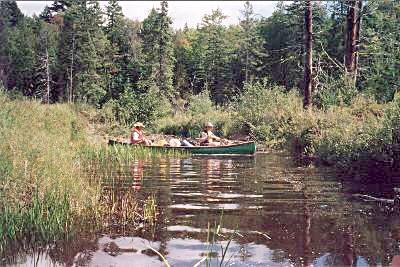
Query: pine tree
[(81, 53), (10, 15), (166, 59), (158, 51), (123, 54), (216, 58), (251, 45)]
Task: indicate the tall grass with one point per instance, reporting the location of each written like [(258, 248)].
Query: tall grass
[(123, 154), (40, 185), (45, 166)]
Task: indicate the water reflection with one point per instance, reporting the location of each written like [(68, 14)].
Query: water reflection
[(136, 171), (277, 214)]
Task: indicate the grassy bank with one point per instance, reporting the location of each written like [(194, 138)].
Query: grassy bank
[(46, 193)]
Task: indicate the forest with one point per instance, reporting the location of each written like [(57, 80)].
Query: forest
[(76, 52), (318, 80), (341, 58)]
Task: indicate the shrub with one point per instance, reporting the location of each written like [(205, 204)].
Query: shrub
[(267, 113), (334, 92), (200, 104), (191, 122), (144, 107)]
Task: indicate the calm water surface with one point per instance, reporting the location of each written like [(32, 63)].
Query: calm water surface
[(273, 213)]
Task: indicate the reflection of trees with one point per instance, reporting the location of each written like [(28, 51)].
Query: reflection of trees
[(300, 211)]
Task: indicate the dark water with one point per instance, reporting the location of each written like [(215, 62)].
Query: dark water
[(272, 213)]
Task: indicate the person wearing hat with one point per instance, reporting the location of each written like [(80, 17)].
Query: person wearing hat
[(208, 138), (137, 135)]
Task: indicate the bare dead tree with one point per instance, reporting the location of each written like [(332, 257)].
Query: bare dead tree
[(47, 76), (352, 38), (70, 93), (308, 43)]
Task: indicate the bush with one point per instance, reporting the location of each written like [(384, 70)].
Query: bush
[(200, 104), (136, 106), (334, 91), (191, 122), (267, 113)]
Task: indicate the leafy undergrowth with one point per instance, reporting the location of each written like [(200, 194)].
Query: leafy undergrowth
[(355, 136)]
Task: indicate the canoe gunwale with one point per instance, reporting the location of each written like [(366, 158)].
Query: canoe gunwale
[(248, 148)]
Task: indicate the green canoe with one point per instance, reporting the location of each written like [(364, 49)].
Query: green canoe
[(239, 148)]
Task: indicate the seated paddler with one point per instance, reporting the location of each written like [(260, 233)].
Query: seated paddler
[(208, 138), (137, 135)]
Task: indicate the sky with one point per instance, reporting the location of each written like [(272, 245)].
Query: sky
[(181, 12)]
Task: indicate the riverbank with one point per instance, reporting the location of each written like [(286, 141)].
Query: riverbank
[(50, 154), (51, 162), (356, 135)]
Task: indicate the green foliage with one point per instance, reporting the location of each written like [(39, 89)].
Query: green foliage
[(144, 107), (266, 112), (336, 92), (200, 104), (157, 34), (190, 123), (380, 50)]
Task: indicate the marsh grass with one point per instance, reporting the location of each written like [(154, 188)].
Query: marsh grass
[(215, 247), (49, 186), (106, 155)]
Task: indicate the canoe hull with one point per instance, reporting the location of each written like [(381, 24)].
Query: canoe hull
[(244, 148)]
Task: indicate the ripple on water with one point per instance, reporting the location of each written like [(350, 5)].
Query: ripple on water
[(268, 207)]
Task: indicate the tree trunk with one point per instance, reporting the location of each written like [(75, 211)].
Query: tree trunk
[(47, 77), (352, 37), (70, 95), (308, 43)]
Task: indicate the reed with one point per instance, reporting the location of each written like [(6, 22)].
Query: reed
[(50, 184), (123, 155), (215, 248)]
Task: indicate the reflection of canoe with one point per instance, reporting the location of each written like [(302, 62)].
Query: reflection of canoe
[(239, 148)]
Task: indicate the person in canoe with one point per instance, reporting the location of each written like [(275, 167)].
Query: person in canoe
[(208, 138), (137, 135)]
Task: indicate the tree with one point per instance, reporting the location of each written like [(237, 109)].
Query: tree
[(251, 45), (158, 51), (352, 37), (116, 52), (166, 59), (81, 53), (379, 50), (216, 58), (308, 45), (46, 59), (10, 15)]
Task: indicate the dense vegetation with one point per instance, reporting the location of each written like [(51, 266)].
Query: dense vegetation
[(49, 173), (248, 78)]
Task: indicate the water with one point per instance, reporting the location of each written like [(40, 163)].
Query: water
[(272, 213)]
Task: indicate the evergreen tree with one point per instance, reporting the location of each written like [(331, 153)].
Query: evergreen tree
[(124, 59), (10, 15), (81, 53), (158, 51), (216, 57), (251, 52)]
